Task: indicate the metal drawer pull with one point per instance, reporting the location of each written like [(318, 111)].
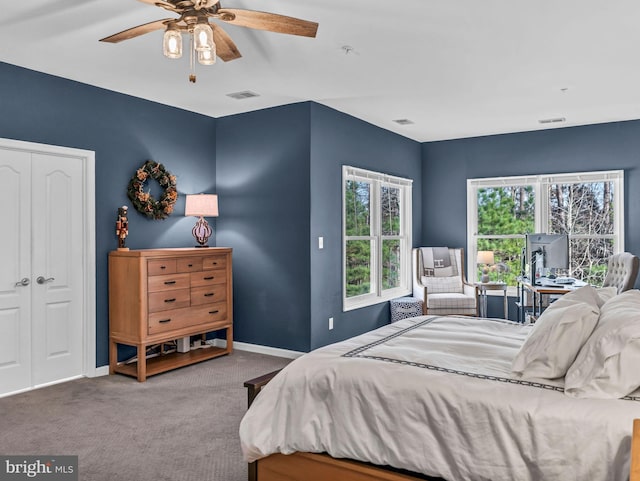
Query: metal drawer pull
[(214, 312), (209, 278), (190, 265), (170, 300), (163, 267), (42, 280), (163, 321), (209, 294), (167, 283)]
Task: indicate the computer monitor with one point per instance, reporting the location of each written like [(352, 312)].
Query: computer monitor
[(546, 253)]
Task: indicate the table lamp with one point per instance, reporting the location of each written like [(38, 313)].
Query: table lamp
[(486, 258), (201, 205)]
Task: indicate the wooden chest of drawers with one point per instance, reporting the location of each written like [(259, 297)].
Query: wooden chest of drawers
[(161, 295)]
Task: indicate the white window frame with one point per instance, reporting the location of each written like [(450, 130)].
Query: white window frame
[(377, 180), (540, 185)]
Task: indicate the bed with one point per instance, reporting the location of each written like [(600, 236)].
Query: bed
[(435, 396)]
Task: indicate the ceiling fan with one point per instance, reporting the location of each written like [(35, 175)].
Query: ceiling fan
[(210, 40)]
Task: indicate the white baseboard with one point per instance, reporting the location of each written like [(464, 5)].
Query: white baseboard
[(270, 351), (240, 346), (101, 371)]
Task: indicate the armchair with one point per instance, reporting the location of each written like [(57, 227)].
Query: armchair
[(622, 270), (440, 283)]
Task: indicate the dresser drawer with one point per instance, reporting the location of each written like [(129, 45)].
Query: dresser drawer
[(210, 313), (190, 264), (159, 267), (168, 283), (209, 294), (171, 320), (214, 262), (165, 300), (208, 278)]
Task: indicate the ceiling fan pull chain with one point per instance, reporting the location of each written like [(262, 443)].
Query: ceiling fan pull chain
[(192, 64)]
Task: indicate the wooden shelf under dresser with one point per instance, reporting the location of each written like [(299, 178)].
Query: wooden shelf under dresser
[(160, 295)]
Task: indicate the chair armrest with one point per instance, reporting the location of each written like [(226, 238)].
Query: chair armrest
[(255, 385), (419, 291), (471, 290)]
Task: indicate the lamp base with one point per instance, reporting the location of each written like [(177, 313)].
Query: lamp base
[(202, 246), (201, 232)]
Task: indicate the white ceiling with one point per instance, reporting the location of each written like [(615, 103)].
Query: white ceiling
[(455, 68)]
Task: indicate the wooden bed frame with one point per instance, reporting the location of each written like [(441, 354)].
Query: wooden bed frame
[(317, 467), (635, 451)]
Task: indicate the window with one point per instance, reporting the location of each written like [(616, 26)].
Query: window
[(588, 207), (376, 227)]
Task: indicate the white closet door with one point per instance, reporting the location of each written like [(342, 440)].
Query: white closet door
[(41, 321), (57, 287), (15, 259)]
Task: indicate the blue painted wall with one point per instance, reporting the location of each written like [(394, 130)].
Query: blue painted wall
[(278, 174), (263, 185), (448, 164), (124, 132), (336, 140)]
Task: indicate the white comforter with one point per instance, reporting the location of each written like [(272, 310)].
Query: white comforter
[(435, 395)]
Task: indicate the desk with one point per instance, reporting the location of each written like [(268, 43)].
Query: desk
[(537, 292), (483, 287)]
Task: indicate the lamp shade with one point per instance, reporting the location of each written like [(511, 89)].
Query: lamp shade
[(485, 257), (201, 205)]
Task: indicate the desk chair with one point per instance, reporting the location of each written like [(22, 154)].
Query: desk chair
[(622, 270)]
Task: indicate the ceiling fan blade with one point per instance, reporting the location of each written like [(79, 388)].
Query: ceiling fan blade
[(225, 48), (137, 31), (160, 3), (268, 21)]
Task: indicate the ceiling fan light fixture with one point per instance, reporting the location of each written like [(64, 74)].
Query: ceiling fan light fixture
[(203, 36), (207, 57), (172, 43)]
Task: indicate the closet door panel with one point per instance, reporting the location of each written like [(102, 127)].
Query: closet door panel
[(57, 262), (15, 259)]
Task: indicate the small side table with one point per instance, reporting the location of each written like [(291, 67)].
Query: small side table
[(483, 287), (404, 307)]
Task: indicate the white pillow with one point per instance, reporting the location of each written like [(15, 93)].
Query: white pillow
[(605, 293), (558, 335), (608, 365)]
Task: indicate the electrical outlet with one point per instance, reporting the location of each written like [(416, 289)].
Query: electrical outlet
[(330, 323)]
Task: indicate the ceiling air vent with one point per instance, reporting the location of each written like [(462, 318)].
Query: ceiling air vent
[(245, 94), (403, 121), (555, 120)]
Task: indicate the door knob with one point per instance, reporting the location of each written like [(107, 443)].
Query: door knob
[(42, 280), (24, 282)]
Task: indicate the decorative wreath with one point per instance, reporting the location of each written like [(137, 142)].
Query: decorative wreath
[(143, 201)]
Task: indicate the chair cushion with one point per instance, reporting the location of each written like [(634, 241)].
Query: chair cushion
[(450, 301), (437, 285)]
